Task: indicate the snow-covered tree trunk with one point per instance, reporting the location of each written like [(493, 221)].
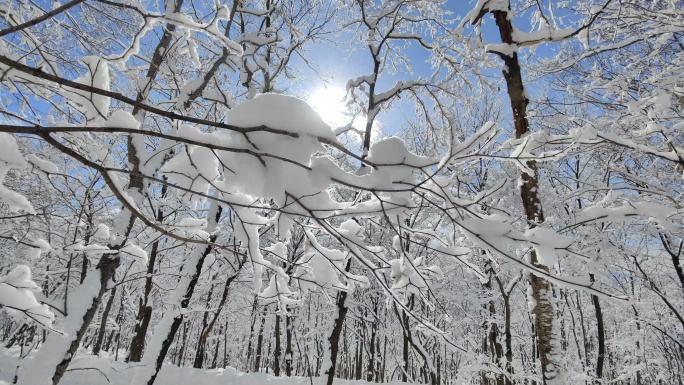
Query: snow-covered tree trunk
[(167, 327), (52, 360), (144, 311)]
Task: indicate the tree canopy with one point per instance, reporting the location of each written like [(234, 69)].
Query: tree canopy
[(497, 200)]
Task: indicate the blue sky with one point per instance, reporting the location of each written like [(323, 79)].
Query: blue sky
[(350, 58)]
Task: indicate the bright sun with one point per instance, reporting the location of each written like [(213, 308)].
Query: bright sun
[(329, 103)]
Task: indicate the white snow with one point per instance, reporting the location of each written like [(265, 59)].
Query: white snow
[(38, 369), (106, 371), (41, 164), (122, 119), (17, 296), (102, 232)]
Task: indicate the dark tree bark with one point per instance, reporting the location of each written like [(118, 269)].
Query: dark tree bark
[(260, 342), (370, 374), (200, 349), (251, 330), (288, 345), (675, 253), (278, 350), (334, 338), (541, 288), (208, 327), (359, 355), (144, 316), (601, 338), (181, 352), (103, 323), (194, 274)]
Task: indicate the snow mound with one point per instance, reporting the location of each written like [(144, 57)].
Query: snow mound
[(280, 112)]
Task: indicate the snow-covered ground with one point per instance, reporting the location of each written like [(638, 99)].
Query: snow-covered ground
[(91, 370)]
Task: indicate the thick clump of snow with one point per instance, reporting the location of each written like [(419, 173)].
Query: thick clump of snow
[(17, 296), (91, 370)]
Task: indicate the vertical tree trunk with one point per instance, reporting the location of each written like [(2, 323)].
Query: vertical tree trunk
[(59, 349), (260, 342), (543, 311), (208, 327), (585, 340), (371, 349), (405, 346), (675, 253), (103, 323), (200, 349), (288, 345), (508, 339), (277, 351), (216, 352), (334, 337), (89, 212), (251, 331), (601, 336), (225, 348), (184, 340), (359, 356), (144, 316), (168, 326), (384, 360), (492, 327)]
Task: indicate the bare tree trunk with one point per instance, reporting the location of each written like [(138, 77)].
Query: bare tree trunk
[(144, 316), (216, 352), (181, 352), (89, 212), (225, 347), (277, 351), (508, 339), (384, 360), (543, 310), (675, 253), (260, 342), (371, 349), (359, 355), (103, 323), (251, 331), (334, 338), (601, 336), (405, 345), (208, 327), (288, 345), (492, 327)]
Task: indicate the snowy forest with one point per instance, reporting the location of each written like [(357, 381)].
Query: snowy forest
[(297, 192)]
